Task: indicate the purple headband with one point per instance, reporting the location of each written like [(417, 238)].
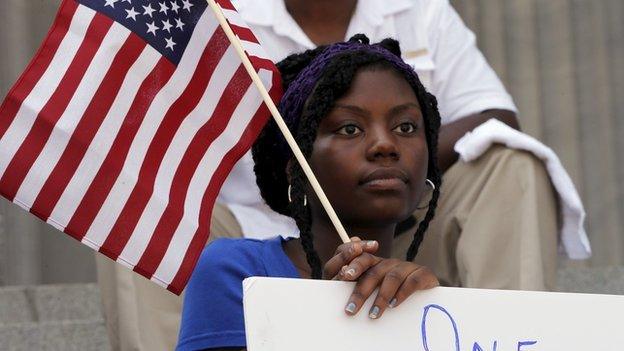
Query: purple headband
[(292, 102)]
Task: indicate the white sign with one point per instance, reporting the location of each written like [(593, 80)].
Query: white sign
[(299, 314)]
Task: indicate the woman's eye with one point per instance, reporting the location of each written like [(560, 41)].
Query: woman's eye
[(405, 128), (349, 129)]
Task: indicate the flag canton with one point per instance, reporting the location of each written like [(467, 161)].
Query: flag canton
[(166, 25)]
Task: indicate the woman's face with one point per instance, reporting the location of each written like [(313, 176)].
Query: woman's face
[(370, 154)]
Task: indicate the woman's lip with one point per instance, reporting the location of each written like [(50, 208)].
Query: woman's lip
[(385, 184), (386, 173)]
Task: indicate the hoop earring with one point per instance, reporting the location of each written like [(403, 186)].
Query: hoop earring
[(433, 187), (427, 181), (305, 198)]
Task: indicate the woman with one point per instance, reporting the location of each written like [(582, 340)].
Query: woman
[(369, 131)]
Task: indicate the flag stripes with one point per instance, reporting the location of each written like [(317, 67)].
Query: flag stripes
[(55, 107), (86, 127), (22, 123), (146, 75), (110, 170), (107, 215), (205, 114), (160, 143), (36, 68), (203, 139), (125, 150), (195, 205), (84, 107)]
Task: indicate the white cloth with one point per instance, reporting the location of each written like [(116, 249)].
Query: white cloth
[(433, 39), (574, 241)]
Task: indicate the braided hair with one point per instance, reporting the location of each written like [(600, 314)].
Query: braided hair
[(272, 175)]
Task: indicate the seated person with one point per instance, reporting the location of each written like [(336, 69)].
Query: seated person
[(369, 131)]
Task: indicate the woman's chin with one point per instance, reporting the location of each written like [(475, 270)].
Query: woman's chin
[(381, 215)]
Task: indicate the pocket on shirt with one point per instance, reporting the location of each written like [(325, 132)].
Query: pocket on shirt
[(423, 65)]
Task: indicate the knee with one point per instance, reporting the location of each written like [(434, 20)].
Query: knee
[(522, 165), (519, 160)]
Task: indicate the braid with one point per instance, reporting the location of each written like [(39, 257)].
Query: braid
[(302, 216), (271, 167), (433, 173)]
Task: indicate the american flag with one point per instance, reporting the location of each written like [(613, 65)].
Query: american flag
[(125, 124)]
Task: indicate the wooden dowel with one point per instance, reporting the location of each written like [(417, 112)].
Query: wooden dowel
[(279, 120)]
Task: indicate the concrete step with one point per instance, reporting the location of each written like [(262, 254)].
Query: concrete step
[(49, 303), (591, 280), (65, 335), (15, 306)]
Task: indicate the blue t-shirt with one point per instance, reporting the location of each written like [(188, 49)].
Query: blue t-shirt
[(212, 314)]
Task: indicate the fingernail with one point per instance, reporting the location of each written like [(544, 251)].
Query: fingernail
[(393, 303), (350, 272), (350, 307), (374, 312), (371, 244)]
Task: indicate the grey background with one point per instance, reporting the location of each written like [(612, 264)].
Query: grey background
[(562, 60)]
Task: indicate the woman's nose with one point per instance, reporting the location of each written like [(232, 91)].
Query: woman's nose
[(382, 145)]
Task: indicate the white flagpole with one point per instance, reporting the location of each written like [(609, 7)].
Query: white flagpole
[(279, 120)]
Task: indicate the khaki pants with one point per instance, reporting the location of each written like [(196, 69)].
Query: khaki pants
[(495, 227)]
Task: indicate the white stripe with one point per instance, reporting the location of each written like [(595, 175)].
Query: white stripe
[(103, 139), (192, 123), (124, 184), (64, 128), (45, 87), (254, 49), (234, 18), (181, 240)]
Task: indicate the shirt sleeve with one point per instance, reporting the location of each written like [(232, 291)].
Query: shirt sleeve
[(463, 81), (212, 313)]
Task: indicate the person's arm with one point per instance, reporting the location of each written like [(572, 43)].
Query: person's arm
[(467, 89), (450, 133)]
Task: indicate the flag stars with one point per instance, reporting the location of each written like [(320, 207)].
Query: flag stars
[(163, 7), (128, 1), (110, 3), (174, 6), (186, 4), (131, 14), (152, 28), (148, 10), (170, 43), (167, 26), (179, 24)]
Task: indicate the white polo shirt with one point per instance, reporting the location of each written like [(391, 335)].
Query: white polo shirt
[(433, 39)]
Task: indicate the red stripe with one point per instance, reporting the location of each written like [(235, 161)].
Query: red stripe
[(226, 4), (48, 116), (87, 127), (171, 217), (104, 180), (201, 235), (37, 66), (267, 64), (244, 33), (143, 189)]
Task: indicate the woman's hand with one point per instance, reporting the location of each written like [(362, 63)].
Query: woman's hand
[(396, 279), (345, 253)]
